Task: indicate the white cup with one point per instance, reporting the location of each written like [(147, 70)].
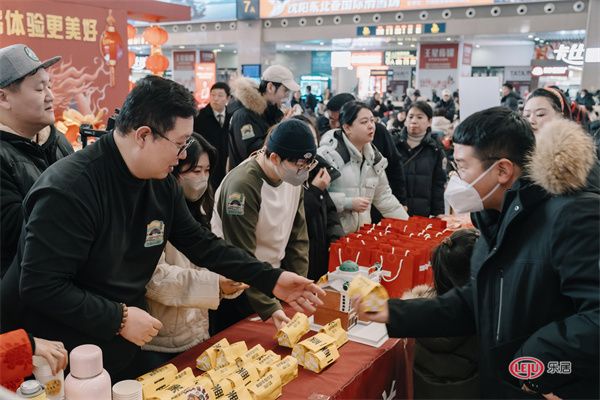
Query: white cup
[(55, 384), (127, 390)]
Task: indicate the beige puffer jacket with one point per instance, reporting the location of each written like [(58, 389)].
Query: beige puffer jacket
[(179, 295)]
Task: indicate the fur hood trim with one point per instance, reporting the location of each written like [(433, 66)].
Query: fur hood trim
[(419, 292), (246, 91), (563, 157)]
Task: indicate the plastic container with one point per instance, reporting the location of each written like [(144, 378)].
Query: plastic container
[(88, 378), (54, 384)]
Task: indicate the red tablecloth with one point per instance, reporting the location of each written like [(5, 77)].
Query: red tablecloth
[(361, 372)]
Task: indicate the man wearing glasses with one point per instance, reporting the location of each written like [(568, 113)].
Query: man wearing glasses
[(96, 224), (259, 207)]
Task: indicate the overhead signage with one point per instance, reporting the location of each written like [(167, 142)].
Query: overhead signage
[(438, 56), (400, 58), (569, 53), (549, 71), (366, 58), (400, 29)]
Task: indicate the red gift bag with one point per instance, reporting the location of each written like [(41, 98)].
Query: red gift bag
[(397, 276)]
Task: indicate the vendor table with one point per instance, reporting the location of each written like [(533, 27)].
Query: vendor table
[(361, 372)]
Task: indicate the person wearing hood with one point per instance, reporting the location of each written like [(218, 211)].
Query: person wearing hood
[(510, 98), (29, 140), (363, 181), (424, 162), (256, 109), (532, 298), (259, 207), (180, 294)]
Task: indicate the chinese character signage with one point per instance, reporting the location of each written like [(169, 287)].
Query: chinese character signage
[(438, 56), (400, 58), (93, 74), (400, 29), (298, 8), (205, 77), (570, 53), (184, 64)]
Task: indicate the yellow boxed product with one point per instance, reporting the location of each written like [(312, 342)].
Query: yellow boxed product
[(286, 368), (335, 330), (251, 355), (239, 393), (290, 334), (182, 381), (199, 388), (264, 362), (313, 344), (267, 388), (208, 359), (244, 376), (373, 295), (319, 360), (227, 355), (157, 379), (217, 375), (219, 391)]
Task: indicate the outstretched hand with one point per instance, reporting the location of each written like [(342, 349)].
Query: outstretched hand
[(299, 292)]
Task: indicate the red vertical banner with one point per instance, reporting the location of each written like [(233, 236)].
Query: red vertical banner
[(467, 54), (184, 65), (205, 77), (438, 56)]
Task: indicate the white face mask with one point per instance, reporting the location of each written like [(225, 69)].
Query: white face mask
[(463, 197), (291, 176), (193, 186)]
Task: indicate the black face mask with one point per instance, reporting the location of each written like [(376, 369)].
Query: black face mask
[(273, 114)]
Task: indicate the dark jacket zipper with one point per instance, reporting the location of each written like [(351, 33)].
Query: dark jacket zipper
[(500, 306)]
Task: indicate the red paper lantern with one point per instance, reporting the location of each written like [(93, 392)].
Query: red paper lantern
[(155, 35), (131, 59), (157, 63), (111, 45), (130, 31)]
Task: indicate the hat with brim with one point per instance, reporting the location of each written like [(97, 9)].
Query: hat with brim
[(18, 60), (281, 74)]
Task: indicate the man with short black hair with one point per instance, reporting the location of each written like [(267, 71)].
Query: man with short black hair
[(533, 294), (510, 98), (96, 224), (311, 101), (256, 109), (260, 208), (212, 123), (29, 141)]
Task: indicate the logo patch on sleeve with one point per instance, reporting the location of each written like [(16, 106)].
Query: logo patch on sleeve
[(235, 204), (155, 233), (247, 131)]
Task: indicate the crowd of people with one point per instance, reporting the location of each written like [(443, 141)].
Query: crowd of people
[(180, 223)]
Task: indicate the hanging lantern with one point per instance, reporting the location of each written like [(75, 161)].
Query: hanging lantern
[(131, 31), (111, 45), (155, 35), (131, 59), (157, 63)]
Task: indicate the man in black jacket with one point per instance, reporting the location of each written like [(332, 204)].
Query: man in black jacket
[(83, 266), (510, 98), (29, 141), (256, 109), (212, 123), (532, 298)]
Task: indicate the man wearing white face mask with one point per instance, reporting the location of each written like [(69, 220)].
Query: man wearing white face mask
[(259, 207), (532, 298)]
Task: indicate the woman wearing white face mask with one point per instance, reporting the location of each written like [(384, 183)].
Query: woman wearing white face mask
[(180, 293), (363, 180)]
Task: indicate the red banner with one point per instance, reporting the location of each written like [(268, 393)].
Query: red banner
[(93, 74), (467, 53), (184, 60), (205, 77), (438, 56)]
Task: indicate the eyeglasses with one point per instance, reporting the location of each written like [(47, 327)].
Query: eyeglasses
[(182, 147), (308, 166)]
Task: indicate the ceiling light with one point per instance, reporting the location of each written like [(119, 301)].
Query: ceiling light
[(412, 45), (321, 43), (182, 47), (530, 36), (477, 46), (448, 39), (287, 46), (221, 45), (400, 44)]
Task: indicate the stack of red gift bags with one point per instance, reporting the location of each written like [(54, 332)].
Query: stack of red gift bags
[(401, 248)]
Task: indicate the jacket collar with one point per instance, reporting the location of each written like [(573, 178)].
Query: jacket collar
[(246, 91), (17, 140), (348, 151), (427, 139)]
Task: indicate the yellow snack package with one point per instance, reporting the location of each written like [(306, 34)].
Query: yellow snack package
[(286, 368), (238, 393), (243, 376), (218, 391), (208, 359), (335, 330), (218, 374), (319, 360), (266, 388), (182, 381), (265, 361), (157, 379), (373, 295), (251, 355), (290, 334), (313, 344), (199, 388), (228, 354)]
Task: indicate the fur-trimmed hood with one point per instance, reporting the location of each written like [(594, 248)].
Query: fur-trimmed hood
[(246, 91), (563, 158), (419, 292)]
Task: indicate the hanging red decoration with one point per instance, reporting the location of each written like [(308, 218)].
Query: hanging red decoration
[(157, 63), (111, 45), (131, 31), (155, 35)]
